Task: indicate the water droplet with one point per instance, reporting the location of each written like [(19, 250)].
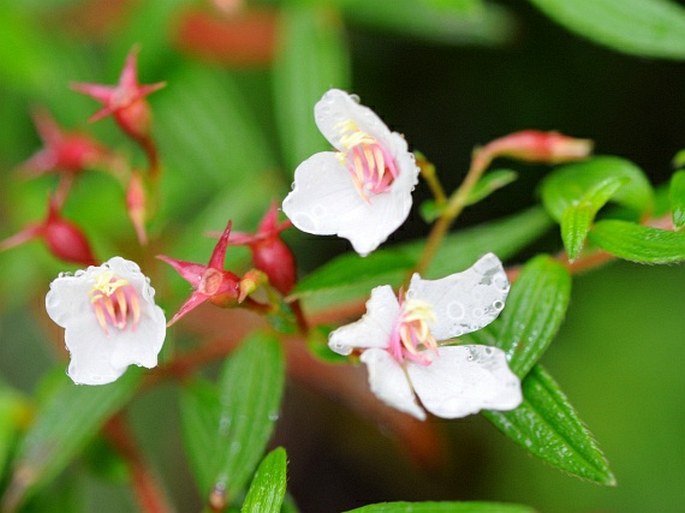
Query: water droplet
[(455, 310)]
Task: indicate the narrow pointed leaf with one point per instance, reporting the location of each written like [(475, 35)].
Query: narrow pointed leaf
[(351, 276), (14, 414), (443, 507), (677, 197), (491, 181), (568, 185), (64, 425), (250, 390), (453, 23), (638, 243), (578, 218), (312, 58), (547, 426), (200, 411), (650, 28), (535, 309), (268, 486)]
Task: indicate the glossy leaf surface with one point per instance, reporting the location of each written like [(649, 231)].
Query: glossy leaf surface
[(637, 243)]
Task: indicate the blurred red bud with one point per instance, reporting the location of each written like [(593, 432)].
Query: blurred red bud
[(136, 205), (63, 238), (67, 152), (235, 37), (125, 101)]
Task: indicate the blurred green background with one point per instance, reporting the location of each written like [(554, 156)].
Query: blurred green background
[(231, 127)]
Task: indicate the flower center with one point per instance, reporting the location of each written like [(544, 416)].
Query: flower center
[(115, 302), (370, 164), (412, 332)]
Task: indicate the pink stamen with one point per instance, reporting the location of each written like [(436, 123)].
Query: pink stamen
[(412, 333), (370, 163), (115, 303)]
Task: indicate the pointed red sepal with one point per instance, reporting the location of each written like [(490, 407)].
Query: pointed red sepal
[(126, 100), (210, 282), (63, 238)]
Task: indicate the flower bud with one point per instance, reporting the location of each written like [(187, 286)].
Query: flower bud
[(63, 238), (68, 152), (537, 146), (125, 101), (269, 253), (250, 282), (67, 242), (136, 205), (274, 258)]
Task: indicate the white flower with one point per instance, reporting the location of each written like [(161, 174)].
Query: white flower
[(110, 318), (362, 192), (399, 343)]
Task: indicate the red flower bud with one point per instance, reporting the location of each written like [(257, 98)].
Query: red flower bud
[(537, 146), (269, 253), (63, 238), (64, 152), (136, 204), (125, 101)]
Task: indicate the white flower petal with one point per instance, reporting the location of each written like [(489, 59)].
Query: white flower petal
[(68, 297), (465, 301), (91, 353), (373, 329), (336, 107), (462, 380), (389, 382), (98, 357), (324, 201), (323, 196)]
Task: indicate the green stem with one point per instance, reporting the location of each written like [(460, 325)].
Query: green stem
[(479, 163)]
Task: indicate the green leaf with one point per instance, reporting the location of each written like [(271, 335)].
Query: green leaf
[(546, 425), (351, 276), (267, 490), (200, 411), (312, 58), (442, 507), (638, 243), (289, 505), (14, 415), (535, 309), (430, 210), (489, 183), (677, 197), (63, 427), (578, 218), (211, 142), (650, 28), (453, 24), (250, 390), (679, 159), (568, 185)]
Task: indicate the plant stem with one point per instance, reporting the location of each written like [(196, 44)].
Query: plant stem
[(479, 163)]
